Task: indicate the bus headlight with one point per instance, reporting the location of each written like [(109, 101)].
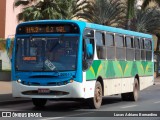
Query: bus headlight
[(19, 81), (71, 81)]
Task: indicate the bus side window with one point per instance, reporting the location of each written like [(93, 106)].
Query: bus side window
[(100, 45), (137, 48), (88, 39), (129, 48), (143, 51), (120, 50), (148, 48), (110, 46)]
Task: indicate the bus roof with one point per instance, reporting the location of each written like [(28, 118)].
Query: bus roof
[(83, 25)]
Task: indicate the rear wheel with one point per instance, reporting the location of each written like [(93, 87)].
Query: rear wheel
[(132, 96), (135, 94), (96, 101), (39, 102)]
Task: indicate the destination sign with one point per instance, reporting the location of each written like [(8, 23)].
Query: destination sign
[(47, 29)]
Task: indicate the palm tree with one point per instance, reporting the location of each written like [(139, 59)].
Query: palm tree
[(144, 6), (71, 8), (131, 9), (106, 12), (50, 9), (23, 2), (146, 21), (35, 9), (146, 3), (130, 5)]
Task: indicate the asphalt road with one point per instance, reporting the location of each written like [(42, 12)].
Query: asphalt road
[(149, 102)]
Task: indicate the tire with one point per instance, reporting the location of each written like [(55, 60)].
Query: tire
[(39, 102), (132, 96), (96, 101), (125, 96), (135, 94)]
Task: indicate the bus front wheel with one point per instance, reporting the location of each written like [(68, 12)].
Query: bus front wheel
[(39, 102), (96, 101)]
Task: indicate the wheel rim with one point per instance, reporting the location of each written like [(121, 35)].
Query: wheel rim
[(136, 92), (98, 95)]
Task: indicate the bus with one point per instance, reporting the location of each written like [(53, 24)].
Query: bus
[(69, 59)]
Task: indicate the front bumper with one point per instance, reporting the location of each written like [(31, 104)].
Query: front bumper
[(71, 90)]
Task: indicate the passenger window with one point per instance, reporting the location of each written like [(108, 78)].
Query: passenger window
[(148, 48), (137, 49), (110, 44), (142, 43), (109, 40), (147, 45), (129, 42), (120, 49), (130, 52), (88, 40), (119, 41), (143, 51), (136, 42), (100, 45), (99, 38)]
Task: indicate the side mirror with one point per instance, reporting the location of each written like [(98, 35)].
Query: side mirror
[(8, 44), (89, 50)]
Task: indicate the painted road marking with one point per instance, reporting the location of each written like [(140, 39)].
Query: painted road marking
[(157, 102), (128, 106)]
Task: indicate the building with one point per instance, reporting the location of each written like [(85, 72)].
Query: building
[(8, 23), (8, 18)]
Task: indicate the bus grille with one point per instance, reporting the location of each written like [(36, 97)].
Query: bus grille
[(45, 84), (35, 92)]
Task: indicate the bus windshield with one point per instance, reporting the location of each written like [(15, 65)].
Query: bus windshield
[(46, 54)]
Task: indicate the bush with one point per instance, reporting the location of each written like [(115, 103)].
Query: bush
[(3, 46)]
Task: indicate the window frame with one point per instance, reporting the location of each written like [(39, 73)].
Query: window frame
[(120, 47), (112, 34), (103, 37), (120, 35), (132, 42), (110, 47), (149, 50), (130, 48), (83, 39)]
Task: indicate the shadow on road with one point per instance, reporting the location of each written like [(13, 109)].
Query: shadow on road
[(65, 106)]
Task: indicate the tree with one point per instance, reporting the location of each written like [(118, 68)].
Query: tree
[(146, 21), (50, 9), (37, 10), (146, 3), (130, 5), (23, 2), (144, 6), (106, 12), (71, 8)]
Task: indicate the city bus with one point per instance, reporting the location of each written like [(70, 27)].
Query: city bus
[(69, 59)]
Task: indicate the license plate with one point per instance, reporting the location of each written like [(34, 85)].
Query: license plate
[(43, 91)]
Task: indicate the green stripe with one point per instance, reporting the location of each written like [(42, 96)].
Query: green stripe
[(118, 69)]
